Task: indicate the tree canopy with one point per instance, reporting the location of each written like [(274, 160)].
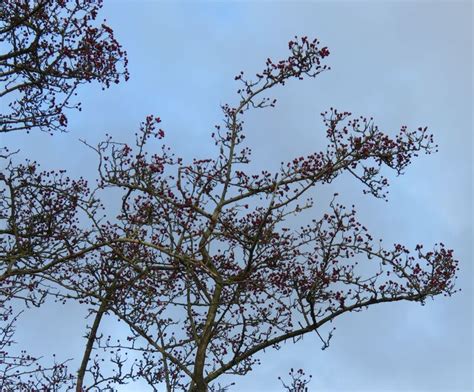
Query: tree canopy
[(199, 263)]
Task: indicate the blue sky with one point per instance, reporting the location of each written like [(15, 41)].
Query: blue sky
[(404, 63)]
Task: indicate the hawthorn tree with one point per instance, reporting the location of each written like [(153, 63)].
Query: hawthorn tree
[(200, 264), (49, 47)]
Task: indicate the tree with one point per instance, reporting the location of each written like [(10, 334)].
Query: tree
[(199, 263), (49, 47)]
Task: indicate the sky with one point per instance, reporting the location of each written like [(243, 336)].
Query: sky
[(404, 63)]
